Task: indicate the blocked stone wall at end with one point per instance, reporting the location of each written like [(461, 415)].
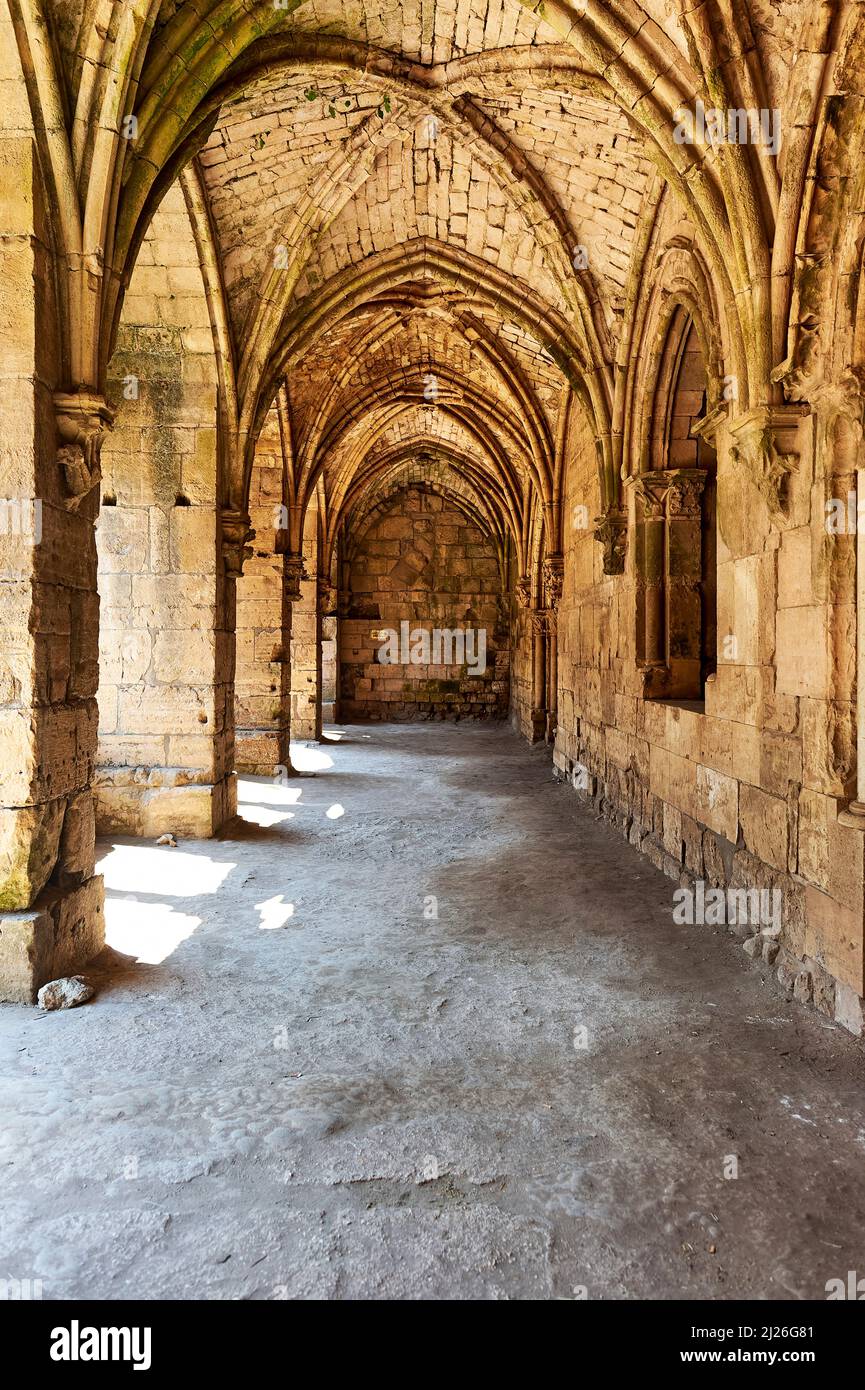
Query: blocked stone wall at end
[(423, 563)]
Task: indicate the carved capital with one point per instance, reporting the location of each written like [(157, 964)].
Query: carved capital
[(544, 621), (554, 576), (685, 492), (764, 442), (235, 531), (82, 418), (651, 489), (523, 591), (295, 574), (611, 530)]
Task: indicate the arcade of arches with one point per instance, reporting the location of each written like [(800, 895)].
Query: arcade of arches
[(322, 318)]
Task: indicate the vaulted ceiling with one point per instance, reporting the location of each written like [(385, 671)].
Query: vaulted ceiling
[(427, 215)]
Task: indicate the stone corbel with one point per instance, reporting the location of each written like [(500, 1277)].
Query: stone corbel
[(554, 575), (707, 428), (295, 575), (611, 529), (523, 591), (236, 531), (82, 418), (765, 442)]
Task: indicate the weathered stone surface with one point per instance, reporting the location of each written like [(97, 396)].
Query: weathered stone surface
[(849, 1009)]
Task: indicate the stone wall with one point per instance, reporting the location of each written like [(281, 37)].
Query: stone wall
[(743, 789), (164, 761), (422, 562)]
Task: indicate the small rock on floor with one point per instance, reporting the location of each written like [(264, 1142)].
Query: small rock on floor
[(65, 994)]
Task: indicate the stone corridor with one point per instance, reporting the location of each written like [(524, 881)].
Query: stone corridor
[(353, 1099)]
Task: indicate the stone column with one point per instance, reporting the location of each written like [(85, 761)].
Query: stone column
[(651, 488), (554, 573), (683, 615), (538, 626)]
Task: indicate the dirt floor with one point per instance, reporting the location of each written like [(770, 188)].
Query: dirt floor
[(298, 1081)]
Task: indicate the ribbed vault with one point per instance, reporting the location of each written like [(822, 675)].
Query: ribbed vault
[(449, 205)]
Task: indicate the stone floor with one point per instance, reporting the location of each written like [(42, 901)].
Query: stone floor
[(307, 1085)]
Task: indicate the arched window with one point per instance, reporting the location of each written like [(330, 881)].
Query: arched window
[(676, 540)]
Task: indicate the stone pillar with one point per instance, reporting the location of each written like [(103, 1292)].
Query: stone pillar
[(51, 902), (854, 815), (50, 899), (263, 672), (554, 573), (306, 719), (165, 725), (327, 603), (538, 625)]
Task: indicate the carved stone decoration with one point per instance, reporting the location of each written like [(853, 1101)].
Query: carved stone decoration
[(611, 530), (765, 444), (236, 531), (523, 591), (685, 492), (554, 575), (651, 488), (327, 596), (544, 621), (82, 418), (295, 574)]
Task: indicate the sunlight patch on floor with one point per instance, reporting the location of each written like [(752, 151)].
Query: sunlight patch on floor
[(150, 932), (306, 759), (274, 913), (169, 873)]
